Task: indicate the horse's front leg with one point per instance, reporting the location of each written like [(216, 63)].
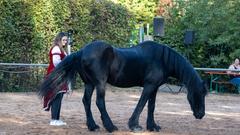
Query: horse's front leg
[(133, 122), (151, 125), (92, 126), (107, 122)]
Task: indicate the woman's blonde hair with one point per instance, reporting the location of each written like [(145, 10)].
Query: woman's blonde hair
[(57, 40)]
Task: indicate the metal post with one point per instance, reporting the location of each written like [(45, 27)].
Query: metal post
[(69, 52), (141, 33), (147, 29)]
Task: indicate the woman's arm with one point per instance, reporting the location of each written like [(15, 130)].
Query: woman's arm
[(56, 55)]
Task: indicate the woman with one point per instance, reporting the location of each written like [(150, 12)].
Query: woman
[(56, 54), (235, 76), (234, 66)]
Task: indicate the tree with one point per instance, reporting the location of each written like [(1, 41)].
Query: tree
[(216, 24)]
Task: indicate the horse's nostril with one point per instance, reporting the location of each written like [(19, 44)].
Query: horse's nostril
[(199, 115)]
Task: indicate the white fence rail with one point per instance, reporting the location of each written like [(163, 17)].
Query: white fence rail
[(23, 64), (45, 65)]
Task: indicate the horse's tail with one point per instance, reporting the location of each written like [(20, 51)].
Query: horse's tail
[(62, 74)]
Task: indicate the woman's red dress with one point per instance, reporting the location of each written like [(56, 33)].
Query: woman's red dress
[(50, 96)]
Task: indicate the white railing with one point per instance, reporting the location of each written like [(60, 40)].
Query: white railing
[(23, 64), (45, 65)]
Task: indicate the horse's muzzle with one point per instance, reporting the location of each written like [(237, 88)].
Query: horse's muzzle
[(199, 115)]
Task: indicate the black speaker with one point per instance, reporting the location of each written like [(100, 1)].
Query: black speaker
[(189, 37), (158, 26)]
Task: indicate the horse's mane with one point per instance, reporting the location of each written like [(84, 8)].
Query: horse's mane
[(175, 64)]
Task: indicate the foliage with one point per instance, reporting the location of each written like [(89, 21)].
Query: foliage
[(143, 11), (216, 24), (27, 29), (15, 31), (110, 22)]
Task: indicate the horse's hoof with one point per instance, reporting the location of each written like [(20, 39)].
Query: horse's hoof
[(94, 128), (155, 127), (113, 128), (136, 129)]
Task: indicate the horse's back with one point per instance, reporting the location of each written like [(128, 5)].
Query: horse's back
[(125, 67), (133, 66), (95, 49)]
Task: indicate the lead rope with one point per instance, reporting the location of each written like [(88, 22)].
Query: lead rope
[(175, 92)]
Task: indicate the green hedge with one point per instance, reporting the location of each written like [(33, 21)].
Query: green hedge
[(27, 28)]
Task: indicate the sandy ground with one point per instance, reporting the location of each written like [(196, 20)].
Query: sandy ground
[(21, 113)]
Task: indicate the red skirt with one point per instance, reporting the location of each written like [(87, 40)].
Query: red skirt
[(50, 96)]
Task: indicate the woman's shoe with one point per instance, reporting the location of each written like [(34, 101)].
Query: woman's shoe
[(57, 123)]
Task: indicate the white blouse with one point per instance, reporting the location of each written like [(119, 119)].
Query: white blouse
[(56, 55)]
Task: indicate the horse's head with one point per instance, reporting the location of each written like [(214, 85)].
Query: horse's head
[(196, 98)]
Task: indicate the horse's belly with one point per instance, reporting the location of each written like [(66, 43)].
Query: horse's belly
[(125, 85), (126, 81)]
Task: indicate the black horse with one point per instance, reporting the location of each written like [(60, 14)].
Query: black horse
[(148, 65)]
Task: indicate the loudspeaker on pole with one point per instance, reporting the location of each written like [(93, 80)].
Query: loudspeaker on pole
[(158, 26), (189, 36)]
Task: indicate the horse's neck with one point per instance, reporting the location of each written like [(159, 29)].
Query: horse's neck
[(177, 66), (186, 73)]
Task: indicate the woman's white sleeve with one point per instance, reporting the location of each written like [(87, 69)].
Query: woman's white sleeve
[(56, 56), (231, 67)]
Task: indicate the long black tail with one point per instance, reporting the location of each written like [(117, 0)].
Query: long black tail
[(63, 73)]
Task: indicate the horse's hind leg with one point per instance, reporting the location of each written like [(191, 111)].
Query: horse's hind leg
[(92, 126), (133, 121), (151, 125), (107, 122)]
